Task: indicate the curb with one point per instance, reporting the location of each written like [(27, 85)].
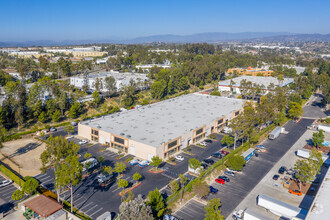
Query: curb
[(130, 189), (162, 171)]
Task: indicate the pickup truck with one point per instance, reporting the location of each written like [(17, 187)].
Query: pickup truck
[(144, 163)]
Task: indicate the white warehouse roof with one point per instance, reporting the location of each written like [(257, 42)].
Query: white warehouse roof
[(261, 80), (161, 122)]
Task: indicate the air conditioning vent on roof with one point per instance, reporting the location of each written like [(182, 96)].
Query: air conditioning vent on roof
[(122, 134), (98, 126), (128, 136)]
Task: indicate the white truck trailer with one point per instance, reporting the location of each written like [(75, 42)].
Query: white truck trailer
[(280, 208), (305, 154), (325, 128), (248, 214), (275, 133)]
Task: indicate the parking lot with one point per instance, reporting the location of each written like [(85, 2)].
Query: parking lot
[(191, 210), (232, 193), (6, 203), (94, 201)]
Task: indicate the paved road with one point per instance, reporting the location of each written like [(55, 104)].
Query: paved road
[(314, 109), (6, 203)]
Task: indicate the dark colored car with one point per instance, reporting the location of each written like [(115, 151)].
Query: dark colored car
[(209, 161), (204, 165), (275, 177), (282, 170), (224, 178), (217, 155), (208, 141), (213, 190)]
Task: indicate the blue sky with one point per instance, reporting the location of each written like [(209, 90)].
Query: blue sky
[(22, 20)]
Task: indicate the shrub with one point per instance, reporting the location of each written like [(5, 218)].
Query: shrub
[(17, 195), (10, 174), (215, 93), (235, 162)]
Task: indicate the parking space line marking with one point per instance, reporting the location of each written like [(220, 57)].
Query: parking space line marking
[(42, 179), (86, 205), (80, 203), (7, 193), (36, 176), (96, 212), (89, 209)]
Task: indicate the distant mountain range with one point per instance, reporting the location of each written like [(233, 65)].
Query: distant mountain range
[(211, 37)]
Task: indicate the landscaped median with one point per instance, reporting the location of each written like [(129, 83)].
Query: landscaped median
[(129, 189), (155, 170)]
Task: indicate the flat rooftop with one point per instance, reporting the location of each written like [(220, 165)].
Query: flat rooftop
[(117, 75), (261, 80), (161, 122), (320, 208)]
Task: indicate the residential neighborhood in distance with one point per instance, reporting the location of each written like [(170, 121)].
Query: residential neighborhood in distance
[(177, 111)]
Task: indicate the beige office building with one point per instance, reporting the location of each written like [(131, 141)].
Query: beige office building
[(164, 128)]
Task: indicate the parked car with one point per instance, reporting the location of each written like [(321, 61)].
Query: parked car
[(223, 152), (103, 177), (295, 192), (282, 170), (83, 142), (217, 155), (68, 137), (233, 171), (179, 157), (260, 146), (144, 163), (275, 177), (224, 178), (213, 190), (134, 161), (229, 173), (203, 143), (208, 141), (89, 163), (221, 181), (169, 217), (74, 123), (204, 165), (5, 183), (52, 129), (209, 161)]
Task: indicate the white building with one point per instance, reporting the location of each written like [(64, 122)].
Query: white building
[(226, 85), (147, 67), (122, 79)]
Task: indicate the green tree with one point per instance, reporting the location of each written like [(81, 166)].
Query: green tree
[(100, 159), (235, 162), (183, 180), (194, 163), (30, 186), (96, 98), (69, 129), (108, 170), (134, 209), (318, 138), (295, 110), (110, 84), (215, 93), (75, 110), (120, 167), (174, 185), (57, 149), (156, 202), (212, 210), (17, 195), (3, 133), (157, 89), (69, 174), (137, 177), (56, 116), (228, 140), (156, 161), (87, 155), (122, 183), (63, 102), (200, 188), (42, 117)]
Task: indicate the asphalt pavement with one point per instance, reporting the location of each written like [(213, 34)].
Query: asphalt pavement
[(6, 203), (314, 108)]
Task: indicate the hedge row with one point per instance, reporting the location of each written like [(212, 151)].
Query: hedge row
[(67, 206), (10, 174), (20, 134)]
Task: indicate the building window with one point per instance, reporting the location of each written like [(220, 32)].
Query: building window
[(199, 131), (96, 139), (172, 144), (119, 140), (95, 132), (220, 121)]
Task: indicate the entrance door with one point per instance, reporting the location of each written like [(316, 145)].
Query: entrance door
[(132, 150)]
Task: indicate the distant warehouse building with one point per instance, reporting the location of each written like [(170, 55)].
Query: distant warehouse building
[(164, 128), (235, 84), (250, 71), (122, 79)]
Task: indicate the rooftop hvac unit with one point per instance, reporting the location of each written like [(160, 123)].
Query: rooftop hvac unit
[(98, 126), (128, 136), (122, 134)]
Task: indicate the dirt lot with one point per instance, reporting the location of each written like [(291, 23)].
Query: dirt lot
[(23, 153)]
